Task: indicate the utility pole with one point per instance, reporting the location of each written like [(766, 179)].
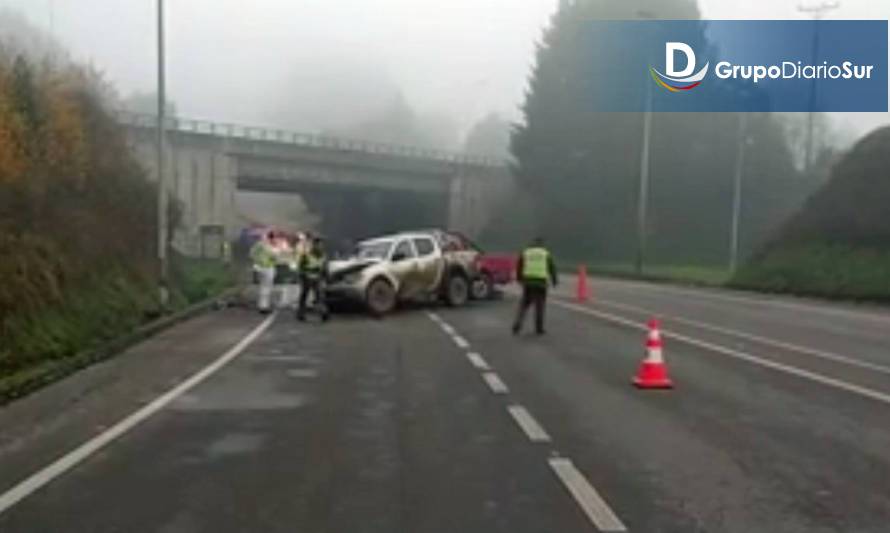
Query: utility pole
[(737, 193), (817, 12), (162, 180), (643, 193)]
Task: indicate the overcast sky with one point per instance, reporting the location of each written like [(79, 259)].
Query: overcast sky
[(282, 62)]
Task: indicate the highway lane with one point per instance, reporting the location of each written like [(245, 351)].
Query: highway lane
[(860, 332), (439, 420), (736, 447), (849, 342), (358, 425)]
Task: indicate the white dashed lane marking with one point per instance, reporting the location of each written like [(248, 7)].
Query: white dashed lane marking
[(593, 505), (460, 341), (585, 495), (529, 425), (495, 383), (478, 361)]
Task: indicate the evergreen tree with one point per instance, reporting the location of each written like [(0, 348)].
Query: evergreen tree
[(582, 167)]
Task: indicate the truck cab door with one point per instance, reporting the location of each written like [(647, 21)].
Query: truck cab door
[(430, 263), (403, 266)]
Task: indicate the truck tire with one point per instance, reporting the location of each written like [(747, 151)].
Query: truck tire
[(457, 289), (483, 287), (380, 297)]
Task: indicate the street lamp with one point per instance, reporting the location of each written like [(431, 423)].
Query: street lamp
[(744, 141), (817, 12), (162, 181), (643, 193)]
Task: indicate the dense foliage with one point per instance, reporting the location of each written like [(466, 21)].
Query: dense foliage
[(839, 244), (582, 168), (76, 214)]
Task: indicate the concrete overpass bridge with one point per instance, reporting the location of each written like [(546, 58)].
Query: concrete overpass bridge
[(356, 187)]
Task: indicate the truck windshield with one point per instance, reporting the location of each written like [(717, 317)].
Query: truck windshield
[(374, 250)]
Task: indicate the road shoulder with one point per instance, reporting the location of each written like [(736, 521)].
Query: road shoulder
[(45, 425)]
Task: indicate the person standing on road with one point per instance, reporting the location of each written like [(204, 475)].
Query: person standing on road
[(282, 249), (263, 256), (313, 271), (535, 270), (291, 258)]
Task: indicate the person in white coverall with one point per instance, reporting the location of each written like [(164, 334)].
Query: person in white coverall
[(263, 256), (281, 248)]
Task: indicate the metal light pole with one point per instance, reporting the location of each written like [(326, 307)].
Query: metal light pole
[(817, 12), (737, 193), (643, 195), (52, 18), (163, 223)]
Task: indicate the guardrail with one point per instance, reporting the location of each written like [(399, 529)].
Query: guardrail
[(255, 133)]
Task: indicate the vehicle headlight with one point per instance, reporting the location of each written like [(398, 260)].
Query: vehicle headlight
[(352, 278)]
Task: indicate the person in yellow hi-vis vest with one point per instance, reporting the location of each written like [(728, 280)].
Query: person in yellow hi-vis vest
[(535, 270), (313, 276), (263, 256)]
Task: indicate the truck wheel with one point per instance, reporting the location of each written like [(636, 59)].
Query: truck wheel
[(380, 297), (457, 291), (483, 287)]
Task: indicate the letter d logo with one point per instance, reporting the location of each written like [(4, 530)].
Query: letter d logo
[(671, 50), (683, 80)]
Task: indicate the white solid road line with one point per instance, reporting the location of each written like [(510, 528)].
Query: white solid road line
[(788, 369), (478, 361), (593, 505), (495, 383), (529, 425), (755, 338), (705, 294), (460, 341), (71, 459)]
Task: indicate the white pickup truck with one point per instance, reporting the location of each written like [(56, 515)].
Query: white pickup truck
[(420, 265)]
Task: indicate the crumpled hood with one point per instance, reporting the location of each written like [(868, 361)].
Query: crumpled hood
[(339, 268)]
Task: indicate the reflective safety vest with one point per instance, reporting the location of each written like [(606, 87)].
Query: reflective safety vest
[(314, 263), (262, 255), (293, 258), (535, 264)]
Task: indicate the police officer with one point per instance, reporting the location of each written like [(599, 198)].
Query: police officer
[(535, 270), (313, 270), (263, 256)]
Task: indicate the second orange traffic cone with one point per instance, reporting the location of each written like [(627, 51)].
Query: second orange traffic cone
[(582, 291), (653, 371)]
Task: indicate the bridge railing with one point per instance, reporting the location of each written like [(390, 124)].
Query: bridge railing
[(237, 131)]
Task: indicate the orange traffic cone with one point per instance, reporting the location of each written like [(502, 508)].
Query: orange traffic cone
[(653, 371), (582, 293)]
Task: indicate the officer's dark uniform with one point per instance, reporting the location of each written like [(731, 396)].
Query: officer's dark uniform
[(535, 270), (313, 270)]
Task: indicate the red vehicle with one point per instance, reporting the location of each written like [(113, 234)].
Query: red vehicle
[(495, 270)]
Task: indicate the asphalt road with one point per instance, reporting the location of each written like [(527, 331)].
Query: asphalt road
[(439, 420)]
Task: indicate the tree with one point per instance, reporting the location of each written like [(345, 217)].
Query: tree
[(582, 167), (490, 136)]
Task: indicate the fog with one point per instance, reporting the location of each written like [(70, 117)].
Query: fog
[(325, 65)]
